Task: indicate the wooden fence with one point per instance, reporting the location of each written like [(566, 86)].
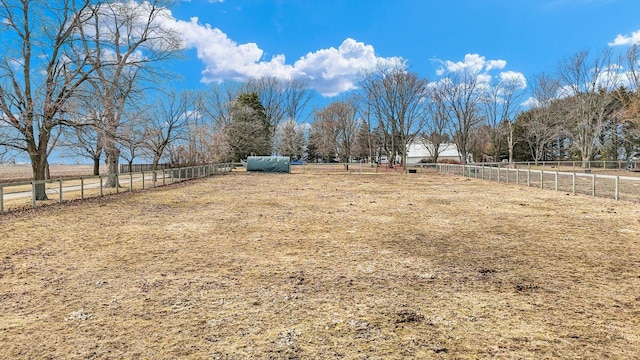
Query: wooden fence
[(126, 168), (22, 194), (618, 187)]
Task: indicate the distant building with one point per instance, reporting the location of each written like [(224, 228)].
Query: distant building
[(418, 152)]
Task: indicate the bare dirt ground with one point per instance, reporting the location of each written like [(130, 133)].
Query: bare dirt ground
[(303, 266)]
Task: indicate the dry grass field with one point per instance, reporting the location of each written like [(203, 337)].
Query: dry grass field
[(13, 173), (318, 266)]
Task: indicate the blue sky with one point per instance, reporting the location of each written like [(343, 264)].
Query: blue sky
[(328, 42)]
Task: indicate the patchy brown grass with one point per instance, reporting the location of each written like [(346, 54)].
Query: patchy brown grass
[(385, 266)]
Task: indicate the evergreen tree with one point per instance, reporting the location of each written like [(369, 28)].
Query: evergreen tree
[(249, 132)]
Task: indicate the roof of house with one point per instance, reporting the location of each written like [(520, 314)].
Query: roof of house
[(418, 149)]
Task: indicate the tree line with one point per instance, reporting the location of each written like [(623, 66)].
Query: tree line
[(89, 79)]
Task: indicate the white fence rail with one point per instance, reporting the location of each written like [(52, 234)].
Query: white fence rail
[(610, 186), (21, 194), (577, 165)]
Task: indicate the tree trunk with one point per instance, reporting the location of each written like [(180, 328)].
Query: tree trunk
[(463, 154), (96, 165), (510, 143), (39, 169), (112, 156)]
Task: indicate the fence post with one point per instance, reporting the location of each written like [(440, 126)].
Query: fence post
[(528, 177), (1, 199), (617, 191), (101, 193), (142, 172), (130, 181), (117, 184), (541, 179), (517, 176), (81, 188), (593, 183), (557, 179), (60, 189), (573, 183), (507, 174)]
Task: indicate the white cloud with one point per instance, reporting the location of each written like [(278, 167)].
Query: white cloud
[(484, 81), (612, 78), (330, 71), (565, 91), (472, 62), (622, 40), (333, 71), (482, 68), (495, 64), (514, 76), (530, 103)]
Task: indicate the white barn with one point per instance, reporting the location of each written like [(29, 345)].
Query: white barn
[(417, 152)]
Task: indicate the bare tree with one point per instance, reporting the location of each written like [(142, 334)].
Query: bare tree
[(587, 82), (40, 71), (344, 113), (630, 98), (500, 103), (436, 128), (167, 120), (204, 138), (323, 137), (335, 129), (366, 141), (132, 139), (291, 141), (297, 95), (282, 100), (396, 98), (541, 123), (632, 61), (124, 42), (462, 94), (84, 141), (216, 104), (85, 138)]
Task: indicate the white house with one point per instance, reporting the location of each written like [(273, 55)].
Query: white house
[(417, 151)]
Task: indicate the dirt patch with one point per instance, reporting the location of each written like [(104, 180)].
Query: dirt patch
[(302, 266)]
